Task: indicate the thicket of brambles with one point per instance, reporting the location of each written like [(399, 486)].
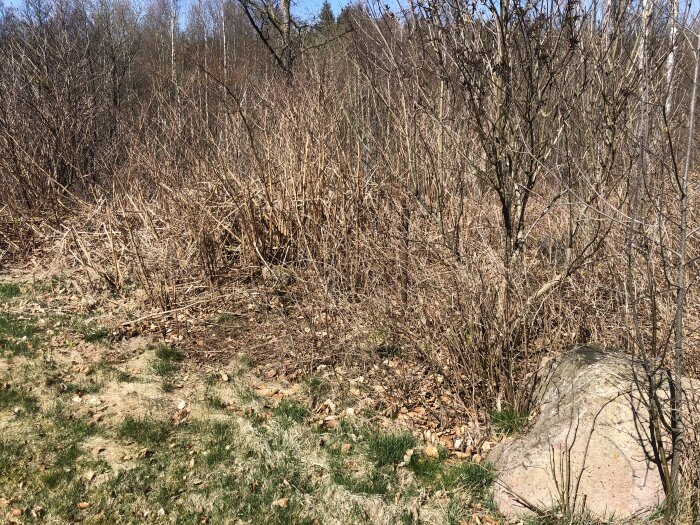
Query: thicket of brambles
[(485, 182)]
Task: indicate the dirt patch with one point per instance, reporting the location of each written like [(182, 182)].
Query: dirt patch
[(119, 457), (117, 400), (139, 364)]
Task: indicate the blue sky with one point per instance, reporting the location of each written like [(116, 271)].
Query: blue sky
[(303, 8), (310, 8), (307, 9)]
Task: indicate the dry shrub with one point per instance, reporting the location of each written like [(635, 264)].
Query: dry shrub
[(366, 180)]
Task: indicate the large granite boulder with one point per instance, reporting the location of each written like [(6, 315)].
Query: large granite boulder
[(591, 445)]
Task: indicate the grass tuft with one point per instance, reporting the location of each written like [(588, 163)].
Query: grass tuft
[(167, 364), (508, 421), (10, 454), (82, 387), (476, 478), (318, 388), (220, 445), (389, 449), (388, 350), (125, 377), (9, 291), (425, 468), (94, 334), (291, 410), (214, 401), (169, 353)]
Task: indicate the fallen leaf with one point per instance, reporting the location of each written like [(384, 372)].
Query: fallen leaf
[(432, 451), (328, 407), (267, 391), (83, 505), (281, 503), (330, 422)]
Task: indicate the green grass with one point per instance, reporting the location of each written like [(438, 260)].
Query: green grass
[(18, 335), (81, 387), (368, 467), (508, 421), (268, 482), (67, 427), (214, 401), (388, 350), (226, 318), (148, 432), (291, 411), (385, 452), (43, 465), (220, 445), (125, 377), (9, 291), (94, 334), (318, 389), (245, 394), (227, 476), (475, 478), (167, 361), (389, 449), (169, 353), (12, 398), (64, 459), (10, 453), (426, 469), (167, 364), (374, 481)]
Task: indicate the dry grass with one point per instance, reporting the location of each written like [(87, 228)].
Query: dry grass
[(212, 450), (360, 220)]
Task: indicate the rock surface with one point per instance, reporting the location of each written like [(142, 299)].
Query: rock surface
[(589, 446)]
